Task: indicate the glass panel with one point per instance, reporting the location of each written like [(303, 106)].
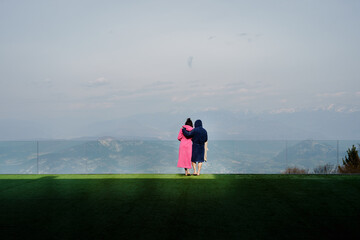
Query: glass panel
[(312, 154), (155, 156), (18, 157), (245, 157), (62, 157)]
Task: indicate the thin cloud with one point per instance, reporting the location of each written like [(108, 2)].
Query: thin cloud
[(239, 89), (331, 106), (354, 109), (160, 85), (98, 82), (211, 37), (284, 110), (337, 94), (153, 89), (337, 108), (236, 84), (87, 106), (47, 83), (340, 109), (209, 109), (180, 99)]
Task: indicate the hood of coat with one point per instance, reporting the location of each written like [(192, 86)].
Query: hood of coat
[(198, 123), (188, 128)]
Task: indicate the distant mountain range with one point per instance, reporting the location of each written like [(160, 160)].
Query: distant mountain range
[(221, 125), (109, 155)]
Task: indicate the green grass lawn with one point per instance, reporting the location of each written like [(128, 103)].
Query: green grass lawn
[(177, 207)]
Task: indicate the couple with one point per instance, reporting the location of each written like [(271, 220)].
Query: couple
[(193, 146)]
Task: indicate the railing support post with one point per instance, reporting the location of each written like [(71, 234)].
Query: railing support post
[(286, 153), (337, 152), (37, 156)]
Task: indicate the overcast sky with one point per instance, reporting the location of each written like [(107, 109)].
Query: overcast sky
[(104, 60)]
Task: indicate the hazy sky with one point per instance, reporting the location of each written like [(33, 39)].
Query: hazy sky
[(104, 60)]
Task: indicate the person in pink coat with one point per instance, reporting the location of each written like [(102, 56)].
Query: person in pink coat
[(185, 149)]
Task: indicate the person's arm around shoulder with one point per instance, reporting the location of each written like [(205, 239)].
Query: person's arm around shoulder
[(188, 134)]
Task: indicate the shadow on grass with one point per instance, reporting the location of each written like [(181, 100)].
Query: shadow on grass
[(179, 207)]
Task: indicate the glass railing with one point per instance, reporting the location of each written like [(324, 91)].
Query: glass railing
[(134, 156)]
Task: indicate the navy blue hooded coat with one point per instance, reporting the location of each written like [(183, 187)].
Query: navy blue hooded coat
[(199, 137)]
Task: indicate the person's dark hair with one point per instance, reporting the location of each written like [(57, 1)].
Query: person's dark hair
[(189, 122)]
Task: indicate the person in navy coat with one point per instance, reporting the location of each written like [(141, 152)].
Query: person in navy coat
[(199, 137)]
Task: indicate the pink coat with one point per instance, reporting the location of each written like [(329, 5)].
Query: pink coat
[(185, 149)]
